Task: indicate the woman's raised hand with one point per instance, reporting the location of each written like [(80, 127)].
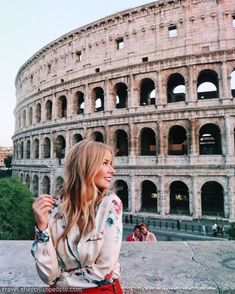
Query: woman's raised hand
[(41, 207)]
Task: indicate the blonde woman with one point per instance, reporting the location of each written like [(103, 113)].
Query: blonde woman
[(78, 236)]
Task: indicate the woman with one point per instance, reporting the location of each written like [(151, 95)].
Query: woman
[(135, 236), (78, 236)]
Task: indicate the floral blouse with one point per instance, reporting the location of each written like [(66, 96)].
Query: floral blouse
[(85, 262)]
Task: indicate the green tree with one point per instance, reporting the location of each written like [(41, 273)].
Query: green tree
[(7, 161), (16, 216)]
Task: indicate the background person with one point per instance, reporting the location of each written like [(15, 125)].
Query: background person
[(135, 236), (146, 234), (78, 244)]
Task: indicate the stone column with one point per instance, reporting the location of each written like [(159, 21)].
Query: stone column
[(196, 201), (162, 99), (230, 208), (67, 140), (133, 94), (132, 194), (88, 100), (162, 143), (107, 135), (133, 144), (192, 85), (109, 98), (54, 107), (163, 203), (229, 142), (224, 84)]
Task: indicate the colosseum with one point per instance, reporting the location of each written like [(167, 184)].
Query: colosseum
[(157, 82)]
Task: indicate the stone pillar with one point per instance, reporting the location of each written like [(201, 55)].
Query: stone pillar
[(195, 204), (107, 134), (132, 194), (88, 100), (230, 208), (109, 98), (40, 148), (67, 140), (133, 94), (133, 144), (192, 85), (163, 203), (229, 141), (54, 107), (162, 99), (162, 143), (224, 84)]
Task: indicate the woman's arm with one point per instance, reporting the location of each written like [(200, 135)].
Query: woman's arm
[(43, 248)]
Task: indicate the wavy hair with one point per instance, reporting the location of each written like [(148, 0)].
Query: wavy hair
[(80, 195)]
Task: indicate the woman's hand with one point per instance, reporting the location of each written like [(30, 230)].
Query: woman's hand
[(41, 207)]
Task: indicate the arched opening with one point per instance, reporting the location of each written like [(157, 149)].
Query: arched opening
[(60, 146), (49, 110), (121, 189), (98, 94), (147, 142), (121, 139), (121, 95), (77, 138), (179, 198), (210, 139), (175, 88), (177, 141), (148, 196), (46, 186), (207, 85), (47, 148), (30, 114), (80, 103), (28, 148), (59, 182), (98, 137), (147, 92), (62, 107), (36, 149), (212, 199), (38, 113), (233, 83), (27, 181), (35, 186)]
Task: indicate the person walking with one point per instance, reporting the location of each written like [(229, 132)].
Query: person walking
[(79, 233)]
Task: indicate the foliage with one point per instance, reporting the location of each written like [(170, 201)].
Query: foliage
[(5, 173), (231, 231), (16, 216), (7, 161)]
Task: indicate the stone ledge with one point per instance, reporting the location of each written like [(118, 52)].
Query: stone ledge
[(193, 267)]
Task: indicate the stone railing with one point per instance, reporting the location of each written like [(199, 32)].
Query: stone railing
[(206, 267)]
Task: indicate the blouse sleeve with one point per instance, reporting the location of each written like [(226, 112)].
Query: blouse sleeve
[(45, 256), (109, 254)]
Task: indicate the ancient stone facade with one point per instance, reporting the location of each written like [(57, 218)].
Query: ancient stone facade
[(5, 152), (157, 83)]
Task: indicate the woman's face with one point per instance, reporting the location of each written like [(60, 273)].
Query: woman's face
[(104, 176), (137, 232)]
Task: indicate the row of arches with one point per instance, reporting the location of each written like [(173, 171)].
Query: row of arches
[(178, 143), (211, 193), (207, 88), (212, 197)]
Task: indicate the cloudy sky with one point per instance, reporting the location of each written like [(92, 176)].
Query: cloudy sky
[(28, 25)]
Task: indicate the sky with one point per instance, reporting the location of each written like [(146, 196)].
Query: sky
[(28, 25)]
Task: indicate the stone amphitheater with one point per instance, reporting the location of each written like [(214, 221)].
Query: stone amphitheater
[(157, 82)]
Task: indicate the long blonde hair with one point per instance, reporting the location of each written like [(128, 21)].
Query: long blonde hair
[(80, 195)]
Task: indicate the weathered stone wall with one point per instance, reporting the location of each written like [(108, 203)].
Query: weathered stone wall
[(49, 113), (195, 267)]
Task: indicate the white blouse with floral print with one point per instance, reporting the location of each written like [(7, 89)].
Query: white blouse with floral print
[(85, 262)]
